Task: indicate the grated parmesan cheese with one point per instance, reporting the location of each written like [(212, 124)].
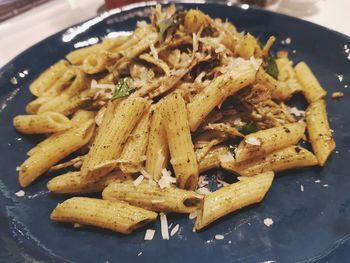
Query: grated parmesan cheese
[(145, 173), (325, 185), (166, 180), (296, 112), (224, 158), (174, 230), (219, 237), (202, 181), (95, 85), (138, 180), (154, 51), (164, 226), (203, 191), (149, 234), (222, 182), (20, 193), (18, 168), (253, 141), (268, 222), (301, 188), (139, 254), (192, 215), (318, 181)]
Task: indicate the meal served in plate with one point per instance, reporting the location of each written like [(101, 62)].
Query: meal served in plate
[(141, 117)]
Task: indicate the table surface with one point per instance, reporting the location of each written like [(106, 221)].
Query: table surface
[(22, 31)]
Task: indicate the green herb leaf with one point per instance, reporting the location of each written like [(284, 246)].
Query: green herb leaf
[(164, 25), (271, 67), (123, 88), (247, 128)]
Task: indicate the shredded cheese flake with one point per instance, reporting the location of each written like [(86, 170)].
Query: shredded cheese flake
[(174, 230), (301, 188), (166, 180), (318, 181), (164, 226), (159, 163), (145, 173), (95, 85), (268, 222), (154, 51), (149, 234), (224, 158), (20, 193), (253, 141), (296, 112), (219, 237), (138, 180), (203, 191), (192, 215)]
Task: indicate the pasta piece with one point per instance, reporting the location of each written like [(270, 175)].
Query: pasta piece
[(69, 96), (72, 183), (183, 157), (266, 141), (77, 57), (233, 197), (285, 69), (312, 89), (320, 134), (44, 123), (48, 78), (63, 145), (95, 63), (195, 20), (225, 128), (157, 155), (113, 215), (266, 49), (212, 158), (135, 146), (248, 47), (33, 106), (217, 91), (119, 120), (149, 195), (288, 158), (79, 118), (279, 90)]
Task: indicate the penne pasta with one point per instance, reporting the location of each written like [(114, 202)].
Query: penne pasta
[(79, 118), (212, 158), (217, 91), (119, 120), (233, 197), (183, 157), (312, 89), (288, 158), (43, 123), (48, 78), (279, 90), (65, 144), (157, 155), (72, 183), (113, 215), (135, 147), (319, 131), (149, 195), (266, 141)]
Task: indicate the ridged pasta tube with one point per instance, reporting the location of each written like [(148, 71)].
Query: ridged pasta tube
[(233, 197), (150, 196), (43, 123), (113, 215), (63, 145), (287, 158), (183, 157), (118, 122)]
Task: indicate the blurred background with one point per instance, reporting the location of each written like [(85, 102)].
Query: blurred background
[(25, 22)]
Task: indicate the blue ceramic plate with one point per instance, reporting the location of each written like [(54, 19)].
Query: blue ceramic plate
[(309, 226)]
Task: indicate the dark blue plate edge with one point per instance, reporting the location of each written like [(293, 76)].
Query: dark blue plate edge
[(21, 255)]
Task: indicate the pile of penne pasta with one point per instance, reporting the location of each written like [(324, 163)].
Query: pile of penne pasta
[(138, 118)]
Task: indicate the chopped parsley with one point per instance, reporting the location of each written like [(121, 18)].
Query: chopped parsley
[(271, 67), (123, 88), (247, 128), (164, 25)]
